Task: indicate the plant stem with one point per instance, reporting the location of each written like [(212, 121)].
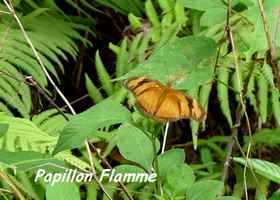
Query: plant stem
[(158, 183), (164, 138), (272, 47)]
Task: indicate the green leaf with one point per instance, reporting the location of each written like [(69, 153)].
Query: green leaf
[(202, 4), (63, 191), (128, 169), (199, 76), (3, 129), (27, 160), (170, 157), (25, 136), (268, 137), (263, 168), (213, 16), (223, 96), (257, 39), (205, 190), (178, 57), (179, 179), (135, 145), (206, 158), (275, 195), (134, 21), (228, 198), (103, 75), (124, 6), (83, 125), (93, 91), (152, 14)]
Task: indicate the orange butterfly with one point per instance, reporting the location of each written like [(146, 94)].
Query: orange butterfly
[(163, 103)]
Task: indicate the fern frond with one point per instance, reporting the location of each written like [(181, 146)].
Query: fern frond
[(92, 90), (194, 124), (262, 96), (251, 93), (52, 37), (204, 94), (275, 101), (23, 135), (103, 75), (223, 77), (50, 121)]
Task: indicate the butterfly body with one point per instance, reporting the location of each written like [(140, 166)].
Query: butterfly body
[(161, 102)]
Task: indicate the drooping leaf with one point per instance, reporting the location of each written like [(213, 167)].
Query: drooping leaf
[(83, 125), (135, 145), (263, 168)]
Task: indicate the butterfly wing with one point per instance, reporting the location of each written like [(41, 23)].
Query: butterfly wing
[(147, 93), (174, 107)]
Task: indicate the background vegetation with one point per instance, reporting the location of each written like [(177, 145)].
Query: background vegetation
[(225, 53)]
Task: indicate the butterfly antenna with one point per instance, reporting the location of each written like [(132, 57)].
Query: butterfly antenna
[(165, 137)]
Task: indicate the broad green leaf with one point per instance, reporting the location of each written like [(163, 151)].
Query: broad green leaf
[(198, 76), (202, 4), (179, 179), (228, 198), (176, 58), (170, 157), (213, 16), (128, 169), (3, 129), (135, 145), (263, 168), (28, 160), (83, 125), (205, 190), (63, 191)]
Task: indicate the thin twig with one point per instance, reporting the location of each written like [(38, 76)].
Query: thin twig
[(30, 81), (15, 190), (6, 191), (5, 12), (107, 164), (249, 164), (272, 47), (94, 172), (242, 108)]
